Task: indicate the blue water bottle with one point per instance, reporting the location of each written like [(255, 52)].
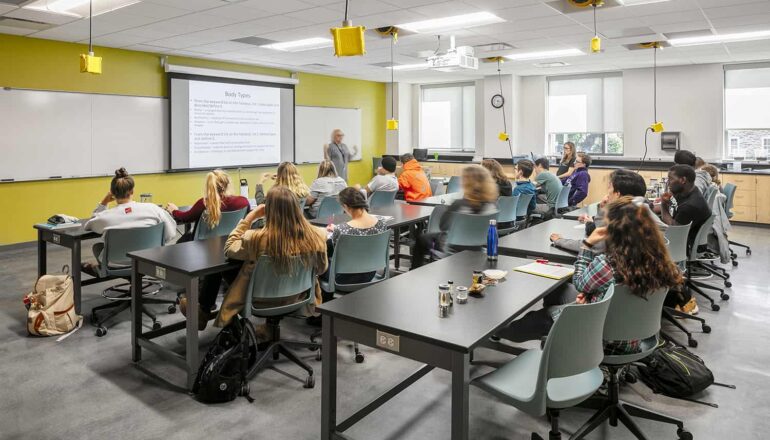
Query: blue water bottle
[(492, 241)]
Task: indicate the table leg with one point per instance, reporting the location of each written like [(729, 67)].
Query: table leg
[(42, 255), (328, 379), (397, 247), (136, 311), (75, 271), (191, 353), (460, 404)]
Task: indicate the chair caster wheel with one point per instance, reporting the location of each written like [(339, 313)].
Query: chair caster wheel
[(318, 356), (101, 331), (171, 309), (706, 328), (156, 325), (684, 434), (728, 284), (359, 358), (724, 296), (735, 263), (310, 382), (715, 307), (692, 343), (315, 348), (748, 251)]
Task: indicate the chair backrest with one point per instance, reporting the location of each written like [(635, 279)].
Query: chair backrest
[(563, 200), (522, 208), (729, 190), (120, 241), (701, 237), (469, 229), (329, 207), (355, 254), (227, 222), (633, 317), (440, 187), (574, 345), (507, 206), (435, 218), (266, 283), (677, 242), (454, 185), (711, 195), (382, 198), (593, 209)]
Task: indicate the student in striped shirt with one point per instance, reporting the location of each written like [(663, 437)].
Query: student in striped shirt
[(635, 256)]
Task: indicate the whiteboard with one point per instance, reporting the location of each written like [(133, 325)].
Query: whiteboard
[(314, 127), (63, 134)]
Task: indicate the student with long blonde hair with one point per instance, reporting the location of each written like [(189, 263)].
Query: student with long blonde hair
[(479, 197), (217, 198), (286, 175)]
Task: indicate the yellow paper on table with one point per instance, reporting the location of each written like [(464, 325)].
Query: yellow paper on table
[(547, 270)]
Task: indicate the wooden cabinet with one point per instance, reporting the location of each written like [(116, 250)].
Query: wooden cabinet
[(744, 182), (649, 174), (597, 188), (763, 199), (750, 203)]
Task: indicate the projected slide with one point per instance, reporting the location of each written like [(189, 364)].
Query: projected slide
[(233, 124)]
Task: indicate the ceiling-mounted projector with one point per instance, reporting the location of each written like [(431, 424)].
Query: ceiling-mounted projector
[(456, 58)]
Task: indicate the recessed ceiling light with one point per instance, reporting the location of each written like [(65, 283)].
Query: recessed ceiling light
[(79, 8), (639, 2), (454, 22), (553, 64), (524, 56), (300, 45), (724, 38), (418, 66)]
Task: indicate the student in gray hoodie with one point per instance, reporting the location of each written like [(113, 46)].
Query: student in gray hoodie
[(702, 177)]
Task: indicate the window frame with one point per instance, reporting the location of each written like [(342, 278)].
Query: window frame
[(463, 150), (726, 138), (551, 136)]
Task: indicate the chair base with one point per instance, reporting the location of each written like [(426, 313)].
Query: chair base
[(613, 410), (122, 302), (278, 347), (671, 314)]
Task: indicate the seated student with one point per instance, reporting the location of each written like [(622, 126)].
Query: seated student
[(579, 179), (286, 175), (327, 184), (413, 181), (286, 234), (621, 183), (479, 197), (125, 214), (636, 256), (216, 200), (702, 177), (548, 183), (714, 174), (385, 179), (691, 207), (524, 185), (498, 175)]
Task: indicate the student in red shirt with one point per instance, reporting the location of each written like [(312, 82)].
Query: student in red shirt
[(216, 199), (413, 180)]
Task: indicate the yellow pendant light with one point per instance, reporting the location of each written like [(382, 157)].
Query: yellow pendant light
[(596, 42), (348, 39), (392, 123), (656, 126), (88, 62)]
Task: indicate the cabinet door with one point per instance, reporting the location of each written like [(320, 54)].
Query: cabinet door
[(597, 188), (746, 182), (763, 199), (745, 198), (744, 214), (649, 174)]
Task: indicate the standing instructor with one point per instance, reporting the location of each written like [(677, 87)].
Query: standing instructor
[(337, 152)]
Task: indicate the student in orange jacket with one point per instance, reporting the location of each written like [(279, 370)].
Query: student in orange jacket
[(413, 180)]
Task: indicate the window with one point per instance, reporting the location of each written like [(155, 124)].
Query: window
[(448, 117), (587, 110), (747, 119)]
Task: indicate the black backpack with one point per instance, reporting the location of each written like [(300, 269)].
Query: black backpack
[(674, 371), (223, 373)]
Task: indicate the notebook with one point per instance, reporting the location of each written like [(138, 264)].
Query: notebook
[(547, 270)]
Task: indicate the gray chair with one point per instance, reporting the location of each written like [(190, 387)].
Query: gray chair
[(677, 250), (382, 198), (357, 255), (563, 374), (729, 191), (522, 210), (506, 219), (293, 290), (113, 263), (435, 219), (630, 317), (454, 185), (329, 207), (227, 222), (437, 187), (695, 263), (469, 230), (562, 202)]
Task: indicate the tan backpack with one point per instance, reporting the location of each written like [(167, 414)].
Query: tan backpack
[(52, 306)]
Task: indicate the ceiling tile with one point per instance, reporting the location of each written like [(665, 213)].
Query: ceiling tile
[(445, 9), (316, 15), (277, 6), (6, 8), (45, 17), (238, 13), (154, 10), (526, 12), (14, 30), (190, 5), (738, 11)]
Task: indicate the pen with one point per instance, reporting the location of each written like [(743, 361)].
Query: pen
[(547, 263)]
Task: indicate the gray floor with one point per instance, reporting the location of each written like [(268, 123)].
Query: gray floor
[(86, 387)]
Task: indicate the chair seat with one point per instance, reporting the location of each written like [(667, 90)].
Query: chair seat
[(515, 384), (350, 288), (623, 359)]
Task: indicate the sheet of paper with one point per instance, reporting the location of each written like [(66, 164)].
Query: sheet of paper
[(549, 270)]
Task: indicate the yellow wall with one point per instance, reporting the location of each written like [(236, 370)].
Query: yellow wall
[(52, 65)]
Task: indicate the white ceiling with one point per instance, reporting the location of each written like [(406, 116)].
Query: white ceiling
[(206, 28)]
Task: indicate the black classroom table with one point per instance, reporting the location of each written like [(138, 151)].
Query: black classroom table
[(181, 264), (534, 242), (400, 316), (403, 215), (444, 199)]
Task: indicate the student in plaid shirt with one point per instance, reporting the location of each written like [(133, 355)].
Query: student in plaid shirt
[(635, 256)]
